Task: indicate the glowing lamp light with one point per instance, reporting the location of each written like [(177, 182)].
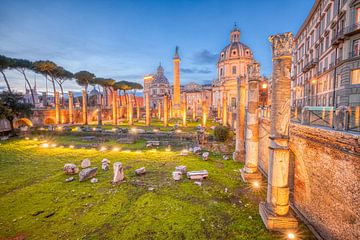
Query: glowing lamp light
[(178, 131), (115, 149), (53, 145), (94, 129), (291, 236), (168, 149), (35, 139), (71, 146), (156, 130), (27, 138), (138, 151), (59, 128), (45, 145), (114, 129), (127, 151), (134, 130), (102, 149), (264, 86), (256, 184), (313, 81)]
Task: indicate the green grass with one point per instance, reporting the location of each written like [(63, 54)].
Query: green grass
[(35, 202)]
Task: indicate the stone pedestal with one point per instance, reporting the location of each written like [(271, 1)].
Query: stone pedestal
[(57, 108), (166, 111), (147, 109), (239, 154), (275, 212), (71, 107), (114, 107), (84, 107), (250, 171)]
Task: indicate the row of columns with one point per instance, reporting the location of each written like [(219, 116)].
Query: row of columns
[(275, 211)]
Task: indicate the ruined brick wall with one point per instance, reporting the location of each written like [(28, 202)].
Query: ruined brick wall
[(264, 142), (327, 180)]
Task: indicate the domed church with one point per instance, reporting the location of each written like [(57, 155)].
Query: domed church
[(233, 62)]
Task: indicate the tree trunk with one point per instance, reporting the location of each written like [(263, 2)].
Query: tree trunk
[(6, 81), (62, 95), (11, 120), (28, 83), (135, 98), (53, 83)]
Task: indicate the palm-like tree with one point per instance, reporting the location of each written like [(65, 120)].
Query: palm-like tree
[(47, 68), (5, 64), (21, 65), (84, 78)]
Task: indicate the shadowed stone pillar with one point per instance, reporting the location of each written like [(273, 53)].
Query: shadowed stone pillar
[(57, 108), (171, 114), (184, 110), (239, 154), (194, 110), (71, 107), (159, 110), (147, 109), (166, 111), (204, 113), (99, 117), (114, 107), (84, 107), (224, 110), (218, 109), (275, 212), (250, 170)]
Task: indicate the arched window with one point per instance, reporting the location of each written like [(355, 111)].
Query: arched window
[(221, 72), (234, 70)]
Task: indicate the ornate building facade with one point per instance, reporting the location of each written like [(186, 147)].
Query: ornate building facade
[(326, 57), (232, 63), (157, 85)]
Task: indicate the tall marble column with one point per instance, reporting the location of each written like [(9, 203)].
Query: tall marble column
[(224, 110), (239, 154), (57, 108), (171, 114), (147, 109), (159, 110), (184, 110), (114, 107), (250, 171), (275, 211), (204, 113), (71, 107), (137, 111), (131, 111), (84, 107), (218, 109), (194, 110), (166, 110)]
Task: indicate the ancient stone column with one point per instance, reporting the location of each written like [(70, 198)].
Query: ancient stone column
[(176, 91), (159, 110), (99, 113), (275, 212), (147, 109), (239, 154), (118, 173), (194, 110), (184, 111), (114, 107), (218, 109), (71, 107), (57, 108), (84, 107), (204, 113), (166, 113), (131, 111), (250, 170), (137, 111), (224, 110), (171, 114)]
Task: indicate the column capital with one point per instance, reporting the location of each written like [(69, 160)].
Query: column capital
[(281, 45), (253, 70)]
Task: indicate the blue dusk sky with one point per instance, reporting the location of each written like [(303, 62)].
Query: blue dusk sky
[(126, 40)]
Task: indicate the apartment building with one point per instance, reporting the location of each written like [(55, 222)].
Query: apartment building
[(326, 56)]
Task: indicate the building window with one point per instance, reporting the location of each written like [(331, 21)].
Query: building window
[(234, 52), (234, 70), (221, 72), (222, 55), (357, 20), (356, 48), (355, 76), (233, 102)]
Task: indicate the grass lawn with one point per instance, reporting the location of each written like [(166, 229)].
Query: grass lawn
[(37, 203)]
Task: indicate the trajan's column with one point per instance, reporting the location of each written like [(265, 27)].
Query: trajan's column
[(176, 100), (275, 211)]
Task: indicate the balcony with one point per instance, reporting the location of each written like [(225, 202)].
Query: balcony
[(338, 38), (353, 29), (354, 54), (310, 65)]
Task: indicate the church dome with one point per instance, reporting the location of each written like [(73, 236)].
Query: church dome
[(94, 92), (159, 77), (236, 49)]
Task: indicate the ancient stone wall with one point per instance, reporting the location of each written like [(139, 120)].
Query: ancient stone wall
[(327, 180)]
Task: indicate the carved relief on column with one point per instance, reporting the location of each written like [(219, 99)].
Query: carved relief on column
[(275, 212)]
